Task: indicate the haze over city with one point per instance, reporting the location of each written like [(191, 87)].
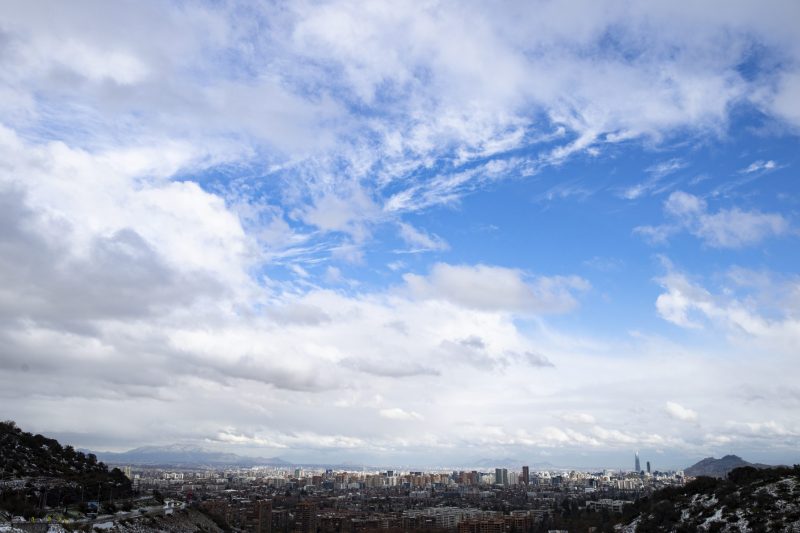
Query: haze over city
[(387, 233)]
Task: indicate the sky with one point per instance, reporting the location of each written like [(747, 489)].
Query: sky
[(407, 233)]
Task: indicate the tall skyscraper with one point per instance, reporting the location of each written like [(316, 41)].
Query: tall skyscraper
[(501, 476), (526, 475), (638, 465), (264, 508), (305, 517), (648, 467)]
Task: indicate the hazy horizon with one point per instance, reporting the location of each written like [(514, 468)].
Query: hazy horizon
[(660, 460), (403, 232)]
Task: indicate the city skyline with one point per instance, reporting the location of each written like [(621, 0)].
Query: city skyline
[(391, 233)]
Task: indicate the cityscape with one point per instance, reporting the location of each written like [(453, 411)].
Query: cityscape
[(307, 498), (502, 500), (47, 486), (398, 265)]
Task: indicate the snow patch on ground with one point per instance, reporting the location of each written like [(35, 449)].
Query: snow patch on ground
[(716, 517)]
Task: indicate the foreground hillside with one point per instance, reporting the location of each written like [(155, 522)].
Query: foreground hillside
[(751, 499), (183, 521), (32, 465), (23, 454)]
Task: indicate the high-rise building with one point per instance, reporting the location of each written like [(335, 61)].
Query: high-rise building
[(638, 466), (264, 516), (501, 476), (280, 520), (305, 516), (648, 467), (526, 475)]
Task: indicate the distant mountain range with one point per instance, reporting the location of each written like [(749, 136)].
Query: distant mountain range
[(191, 455), (719, 468), (508, 462), (184, 455)]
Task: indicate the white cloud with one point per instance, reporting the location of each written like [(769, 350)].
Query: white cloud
[(346, 213), (395, 413), (681, 298), (767, 429), (497, 288), (578, 418), (656, 234), (772, 325), (681, 204), (654, 184), (679, 412), (758, 166), (333, 275), (734, 228), (727, 228), (420, 240), (782, 101), (443, 79), (665, 168)]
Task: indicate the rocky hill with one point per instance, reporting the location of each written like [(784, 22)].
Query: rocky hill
[(26, 455), (32, 465), (183, 521), (719, 467), (750, 499)]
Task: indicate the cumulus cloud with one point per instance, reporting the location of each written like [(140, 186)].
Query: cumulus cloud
[(766, 316), (114, 277), (782, 99), (681, 298), (679, 412), (735, 228), (727, 228), (497, 288)]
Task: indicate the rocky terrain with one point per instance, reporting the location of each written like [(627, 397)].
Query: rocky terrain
[(183, 521), (38, 472), (749, 500)]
